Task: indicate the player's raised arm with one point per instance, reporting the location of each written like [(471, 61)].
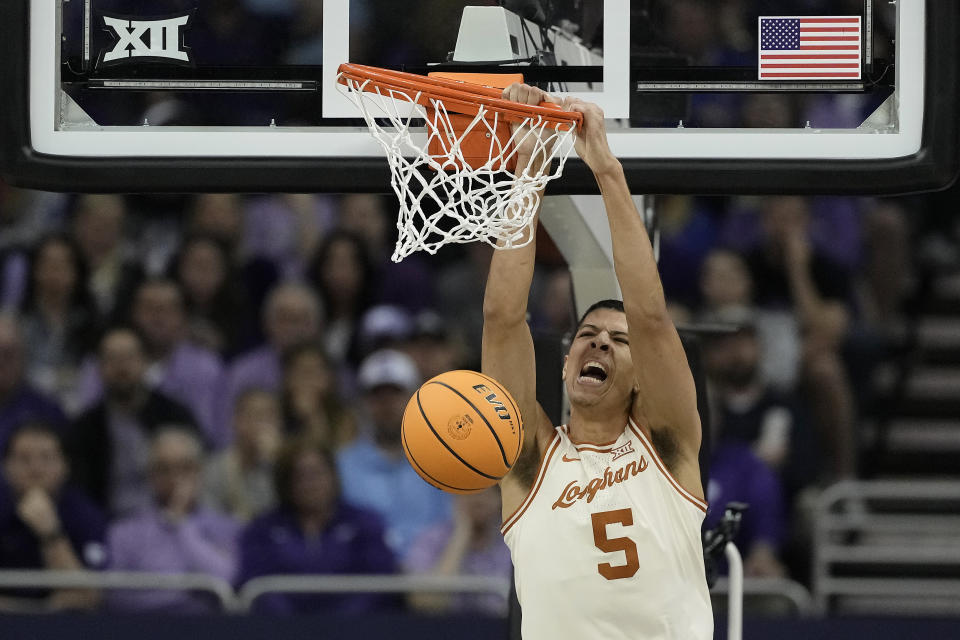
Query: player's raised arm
[(667, 396), (507, 351)]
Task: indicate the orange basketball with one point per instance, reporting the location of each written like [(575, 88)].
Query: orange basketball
[(462, 431)]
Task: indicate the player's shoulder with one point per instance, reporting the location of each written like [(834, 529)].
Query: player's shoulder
[(547, 433), (546, 430)]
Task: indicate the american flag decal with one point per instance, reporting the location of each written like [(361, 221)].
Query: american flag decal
[(810, 48)]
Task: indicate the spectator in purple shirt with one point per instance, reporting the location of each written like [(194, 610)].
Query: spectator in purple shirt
[(187, 373), (291, 316), (44, 522), (737, 474), (470, 545), (19, 401), (175, 534), (314, 531)]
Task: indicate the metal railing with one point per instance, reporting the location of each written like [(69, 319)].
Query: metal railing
[(56, 579), (879, 533), (735, 597), (257, 587), (241, 601), (792, 592)]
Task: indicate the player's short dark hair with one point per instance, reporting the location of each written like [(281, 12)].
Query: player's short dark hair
[(610, 303)]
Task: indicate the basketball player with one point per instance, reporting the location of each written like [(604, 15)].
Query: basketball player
[(602, 515)]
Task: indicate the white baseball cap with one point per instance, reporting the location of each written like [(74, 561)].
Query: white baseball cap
[(388, 367), (384, 324)]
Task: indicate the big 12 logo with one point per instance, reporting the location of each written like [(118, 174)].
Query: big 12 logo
[(159, 39)]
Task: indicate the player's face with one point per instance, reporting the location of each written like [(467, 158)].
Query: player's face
[(598, 366)]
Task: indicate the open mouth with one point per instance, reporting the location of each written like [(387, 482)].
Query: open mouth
[(592, 373)]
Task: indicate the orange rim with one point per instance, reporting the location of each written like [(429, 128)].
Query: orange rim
[(459, 97)]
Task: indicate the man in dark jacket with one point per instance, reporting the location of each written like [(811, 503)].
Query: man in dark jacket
[(110, 441)]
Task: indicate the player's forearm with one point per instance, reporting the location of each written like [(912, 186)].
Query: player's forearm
[(510, 277), (508, 285), (633, 258)]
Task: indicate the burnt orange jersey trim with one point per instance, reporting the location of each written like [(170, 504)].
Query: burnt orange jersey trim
[(535, 487), (689, 497), (593, 449)]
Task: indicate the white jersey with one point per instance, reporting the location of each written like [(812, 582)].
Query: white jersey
[(607, 545)]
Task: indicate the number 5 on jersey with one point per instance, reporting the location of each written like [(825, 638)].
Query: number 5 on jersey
[(612, 545)]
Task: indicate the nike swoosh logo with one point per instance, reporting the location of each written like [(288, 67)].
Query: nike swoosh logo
[(566, 459)]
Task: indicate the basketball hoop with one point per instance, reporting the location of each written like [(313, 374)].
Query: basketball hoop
[(472, 190)]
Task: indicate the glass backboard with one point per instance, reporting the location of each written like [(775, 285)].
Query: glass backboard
[(760, 96)]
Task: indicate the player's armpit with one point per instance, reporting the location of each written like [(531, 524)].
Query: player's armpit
[(541, 428), (517, 484), (683, 463)]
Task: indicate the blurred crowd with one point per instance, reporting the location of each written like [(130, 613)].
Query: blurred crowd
[(215, 383), (800, 303)]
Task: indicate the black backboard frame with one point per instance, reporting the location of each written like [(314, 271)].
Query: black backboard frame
[(934, 167)]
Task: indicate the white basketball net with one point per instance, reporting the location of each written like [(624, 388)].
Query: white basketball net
[(443, 199)]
